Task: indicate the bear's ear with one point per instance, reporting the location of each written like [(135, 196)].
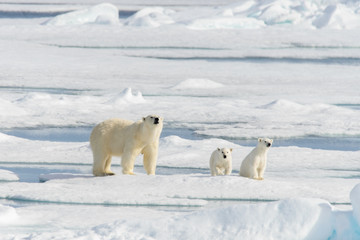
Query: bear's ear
[(143, 119), (218, 149), (259, 139), (271, 140), (230, 149)]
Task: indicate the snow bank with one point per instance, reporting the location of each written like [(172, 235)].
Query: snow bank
[(252, 14), (104, 13), (151, 17), (197, 83), (8, 176), (286, 219), (355, 201), (126, 97), (8, 215)]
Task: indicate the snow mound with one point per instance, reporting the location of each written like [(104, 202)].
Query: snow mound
[(126, 97), (104, 13), (257, 14), (8, 176), (151, 17), (355, 201), (337, 17), (286, 219), (8, 215), (197, 83)]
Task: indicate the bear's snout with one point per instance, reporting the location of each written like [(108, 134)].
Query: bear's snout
[(224, 156), (268, 145), (156, 120)]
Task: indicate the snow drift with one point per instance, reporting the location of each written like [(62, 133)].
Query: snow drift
[(197, 83), (104, 13), (252, 14)]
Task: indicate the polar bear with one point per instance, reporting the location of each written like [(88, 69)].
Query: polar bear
[(220, 161), (254, 164), (126, 139)]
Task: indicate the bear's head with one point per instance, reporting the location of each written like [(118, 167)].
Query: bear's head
[(225, 152), (153, 120), (265, 142)]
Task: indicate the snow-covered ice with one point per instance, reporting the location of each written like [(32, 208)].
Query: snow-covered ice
[(222, 74), (101, 14)]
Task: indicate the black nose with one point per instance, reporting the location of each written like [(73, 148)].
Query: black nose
[(224, 156), (269, 144), (156, 121)]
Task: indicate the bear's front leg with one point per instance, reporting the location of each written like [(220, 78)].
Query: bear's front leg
[(228, 169), (219, 171), (127, 163), (150, 157)]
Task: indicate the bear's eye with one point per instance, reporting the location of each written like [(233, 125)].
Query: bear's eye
[(151, 117)]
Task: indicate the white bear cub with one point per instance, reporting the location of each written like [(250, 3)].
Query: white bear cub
[(220, 161), (254, 164)]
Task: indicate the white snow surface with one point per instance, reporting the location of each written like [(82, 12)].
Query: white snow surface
[(100, 14), (8, 176), (197, 84), (287, 70)]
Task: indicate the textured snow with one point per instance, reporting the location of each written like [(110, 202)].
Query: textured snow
[(100, 14), (281, 69)]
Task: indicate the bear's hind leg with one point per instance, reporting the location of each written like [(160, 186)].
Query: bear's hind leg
[(107, 166), (99, 164)]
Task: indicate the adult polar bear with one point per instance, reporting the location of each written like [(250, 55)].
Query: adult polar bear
[(126, 139)]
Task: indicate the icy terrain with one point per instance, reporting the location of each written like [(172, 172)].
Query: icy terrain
[(222, 74)]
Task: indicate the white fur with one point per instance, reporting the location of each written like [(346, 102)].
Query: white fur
[(220, 161), (254, 164), (119, 137)]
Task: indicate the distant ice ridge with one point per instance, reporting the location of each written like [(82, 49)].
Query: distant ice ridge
[(151, 17), (252, 14), (249, 14), (104, 13), (197, 83)]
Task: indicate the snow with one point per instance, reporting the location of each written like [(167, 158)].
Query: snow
[(100, 14), (222, 74), (197, 84), (7, 176), (8, 215), (355, 200), (151, 17)]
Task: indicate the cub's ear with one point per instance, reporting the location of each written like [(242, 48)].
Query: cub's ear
[(271, 140), (218, 149), (143, 119), (259, 139), (230, 149)]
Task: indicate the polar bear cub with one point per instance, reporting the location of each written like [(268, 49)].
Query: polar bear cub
[(126, 139), (254, 164), (220, 161)]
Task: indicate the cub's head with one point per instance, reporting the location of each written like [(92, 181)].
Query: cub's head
[(153, 120), (225, 152), (265, 142)]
